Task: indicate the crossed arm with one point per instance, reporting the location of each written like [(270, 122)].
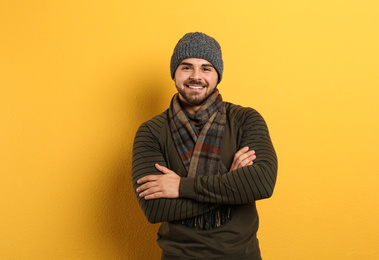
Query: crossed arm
[(167, 185), (157, 187)]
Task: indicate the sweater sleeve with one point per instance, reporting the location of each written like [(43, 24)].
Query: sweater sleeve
[(247, 183), (147, 152)]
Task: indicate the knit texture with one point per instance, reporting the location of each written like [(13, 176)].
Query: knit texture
[(244, 127), (197, 45), (240, 188), (200, 151)]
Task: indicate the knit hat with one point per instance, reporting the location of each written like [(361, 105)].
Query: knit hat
[(197, 45)]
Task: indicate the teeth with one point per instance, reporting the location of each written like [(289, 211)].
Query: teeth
[(195, 87)]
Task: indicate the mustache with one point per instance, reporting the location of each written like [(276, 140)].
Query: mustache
[(195, 82)]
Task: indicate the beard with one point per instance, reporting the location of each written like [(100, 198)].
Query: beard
[(195, 99)]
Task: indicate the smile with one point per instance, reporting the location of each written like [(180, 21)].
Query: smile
[(195, 87)]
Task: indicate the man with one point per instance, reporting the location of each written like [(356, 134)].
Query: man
[(200, 166)]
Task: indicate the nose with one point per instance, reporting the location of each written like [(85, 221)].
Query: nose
[(196, 74)]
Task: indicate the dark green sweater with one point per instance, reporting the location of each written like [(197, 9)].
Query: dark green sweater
[(240, 188)]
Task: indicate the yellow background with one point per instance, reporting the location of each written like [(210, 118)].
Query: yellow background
[(78, 77)]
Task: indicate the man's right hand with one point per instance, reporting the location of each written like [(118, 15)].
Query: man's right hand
[(242, 158)]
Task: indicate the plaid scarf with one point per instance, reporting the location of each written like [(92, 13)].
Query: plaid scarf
[(198, 139)]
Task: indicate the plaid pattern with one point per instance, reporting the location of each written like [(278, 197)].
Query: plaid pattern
[(200, 150)]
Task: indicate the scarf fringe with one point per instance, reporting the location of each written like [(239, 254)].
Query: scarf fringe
[(198, 139), (210, 220)]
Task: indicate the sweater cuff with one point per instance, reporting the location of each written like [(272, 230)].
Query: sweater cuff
[(187, 188)]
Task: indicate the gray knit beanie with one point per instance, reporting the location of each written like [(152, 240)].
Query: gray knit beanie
[(197, 45)]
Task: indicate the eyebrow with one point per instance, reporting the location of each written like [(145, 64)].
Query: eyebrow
[(190, 64)]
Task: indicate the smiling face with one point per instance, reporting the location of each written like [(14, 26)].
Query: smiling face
[(195, 79)]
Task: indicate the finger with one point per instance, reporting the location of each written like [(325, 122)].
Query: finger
[(146, 186), (241, 151), (236, 158), (150, 191), (250, 156), (247, 161), (242, 158), (162, 169), (156, 195), (147, 179)]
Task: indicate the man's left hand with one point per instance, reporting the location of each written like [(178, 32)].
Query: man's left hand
[(159, 186)]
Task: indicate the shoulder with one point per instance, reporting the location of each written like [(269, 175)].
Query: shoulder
[(157, 121), (154, 125), (242, 115), (246, 120)]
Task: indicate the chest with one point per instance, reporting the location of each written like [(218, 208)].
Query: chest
[(230, 145)]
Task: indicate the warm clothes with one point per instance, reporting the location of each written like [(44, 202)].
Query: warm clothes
[(198, 139), (199, 150), (240, 188)]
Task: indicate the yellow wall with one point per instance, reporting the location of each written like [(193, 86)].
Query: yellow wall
[(78, 77)]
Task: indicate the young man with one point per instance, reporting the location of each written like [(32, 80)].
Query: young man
[(200, 166)]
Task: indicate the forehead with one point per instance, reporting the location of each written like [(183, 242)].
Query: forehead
[(196, 61)]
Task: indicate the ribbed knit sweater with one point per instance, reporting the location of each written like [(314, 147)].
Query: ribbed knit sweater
[(240, 188)]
